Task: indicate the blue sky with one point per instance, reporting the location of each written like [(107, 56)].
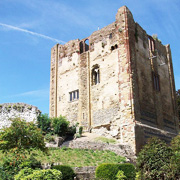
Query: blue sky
[(30, 28)]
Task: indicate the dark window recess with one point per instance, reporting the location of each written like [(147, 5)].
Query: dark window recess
[(151, 44), (74, 95), (95, 75), (156, 81), (110, 36), (86, 45), (114, 47), (81, 47)]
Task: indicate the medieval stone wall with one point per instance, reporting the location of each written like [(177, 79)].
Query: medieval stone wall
[(134, 96), (13, 110)]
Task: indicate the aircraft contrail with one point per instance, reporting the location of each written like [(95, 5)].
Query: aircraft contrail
[(30, 32)]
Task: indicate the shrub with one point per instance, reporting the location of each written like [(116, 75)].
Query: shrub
[(71, 130), (109, 171), (60, 125), (80, 130), (120, 175), (21, 136), (31, 162), (128, 169), (44, 123), (175, 161), (154, 160), (67, 172), (22, 173), (49, 137), (48, 174)]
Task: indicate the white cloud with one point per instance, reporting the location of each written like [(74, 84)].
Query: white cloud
[(30, 94), (32, 33)]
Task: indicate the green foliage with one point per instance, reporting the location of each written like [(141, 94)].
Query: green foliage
[(14, 162), (49, 138), (80, 130), (175, 161), (23, 173), (30, 162), (109, 171), (67, 172), (128, 169), (22, 136), (71, 130), (60, 125), (120, 175), (44, 123), (48, 174), (11, 166), (154, 160)]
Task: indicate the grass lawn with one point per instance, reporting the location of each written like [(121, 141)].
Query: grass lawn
[(76, 157)]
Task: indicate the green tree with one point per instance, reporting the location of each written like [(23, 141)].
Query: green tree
[(22, 136), (154, 160), (60, 125), (44, 123)]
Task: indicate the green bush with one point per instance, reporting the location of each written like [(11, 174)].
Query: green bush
[(154, 160), (71, 130), (80, 130), (21, 136), (49, 138), (120, 175), (175, 161), (30, 162), (128, 169), (23, 173), (67, 172), (48, 174), (109, 171), (60, 125), (44, 123)]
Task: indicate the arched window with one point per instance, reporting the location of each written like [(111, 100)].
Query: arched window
[(95, 75), (86, 42)]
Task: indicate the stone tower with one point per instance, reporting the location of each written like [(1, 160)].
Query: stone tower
[(117, 82)]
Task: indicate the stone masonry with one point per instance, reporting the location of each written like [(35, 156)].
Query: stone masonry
[(117, 82), (13, 110)]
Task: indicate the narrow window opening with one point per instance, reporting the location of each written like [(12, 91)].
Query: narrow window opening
[(77, 94), (156, 81), (95, 75), (151, 44), (110, 36), (81, 47), (70, 94), (86, 45)]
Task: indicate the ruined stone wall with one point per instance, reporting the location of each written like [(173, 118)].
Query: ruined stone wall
[(126, 103), (13, 110), (155, 108)]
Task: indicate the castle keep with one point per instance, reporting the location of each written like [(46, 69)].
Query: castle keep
[(117, 82)]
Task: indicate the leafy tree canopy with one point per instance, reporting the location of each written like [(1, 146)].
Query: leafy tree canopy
[(22, 136)]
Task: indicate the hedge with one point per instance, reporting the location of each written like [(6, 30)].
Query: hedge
[(67, 172), (109, 171)]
